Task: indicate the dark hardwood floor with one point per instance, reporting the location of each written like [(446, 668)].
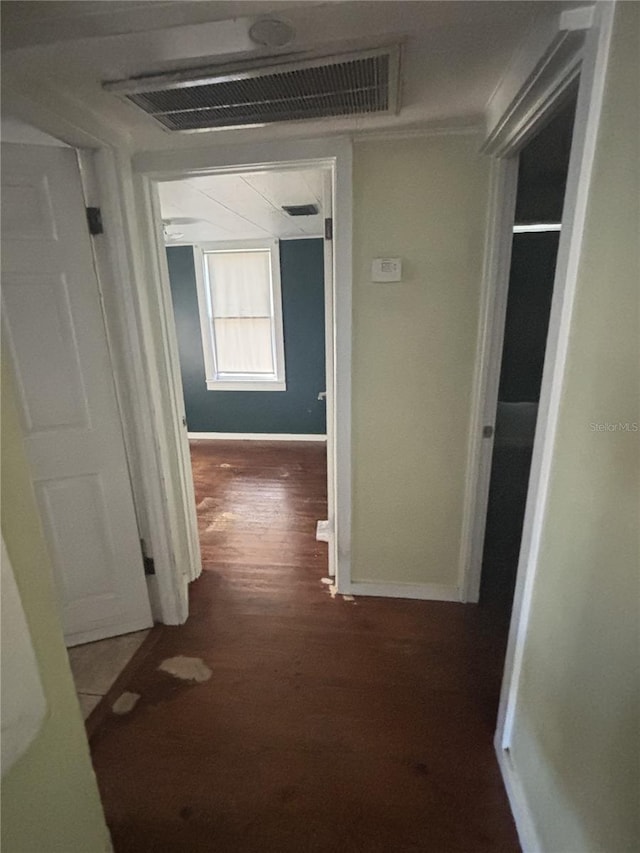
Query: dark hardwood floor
[(326, 725)]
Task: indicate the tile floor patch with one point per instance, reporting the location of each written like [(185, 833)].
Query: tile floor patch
[(88, 702), (125, 703), (95, 666), (188, 669)]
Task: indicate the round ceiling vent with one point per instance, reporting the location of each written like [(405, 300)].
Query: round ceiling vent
[(271, 32)]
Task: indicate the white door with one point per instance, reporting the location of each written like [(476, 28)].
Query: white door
[(55, 334)]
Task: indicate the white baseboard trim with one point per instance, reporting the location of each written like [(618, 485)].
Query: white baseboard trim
[(422, 591), (255, 436), (527, 834)]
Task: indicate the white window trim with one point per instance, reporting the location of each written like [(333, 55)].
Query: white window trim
[(214, 380)]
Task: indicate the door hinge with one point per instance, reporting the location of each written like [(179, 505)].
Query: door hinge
[(328, 229), (147, 562), (487, 431), (94, 221)]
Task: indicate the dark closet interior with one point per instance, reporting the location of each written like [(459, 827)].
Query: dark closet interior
[(542, 177)]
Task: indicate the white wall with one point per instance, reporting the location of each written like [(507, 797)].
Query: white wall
[(423, 199), (14, 130), (575, 737), (50, 798)]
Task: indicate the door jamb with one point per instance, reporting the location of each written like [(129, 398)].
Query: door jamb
[(185, 525), (149, 186), (503, 184), (129, 316), (586, 36), (118, 311), (328, 196)]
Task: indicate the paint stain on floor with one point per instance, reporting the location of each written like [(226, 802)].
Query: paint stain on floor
[(125, 703), (186, 668), (221, 522)]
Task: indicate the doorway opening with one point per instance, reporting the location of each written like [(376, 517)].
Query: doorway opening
[(249, 264), (542, 178)]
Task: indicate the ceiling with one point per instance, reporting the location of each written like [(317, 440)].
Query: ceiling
[(51, 21), (241, 207), (454, 54)]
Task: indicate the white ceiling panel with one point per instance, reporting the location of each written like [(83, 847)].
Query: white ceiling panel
[(179, 199), (242, 207), (303, 187), (236, 194)]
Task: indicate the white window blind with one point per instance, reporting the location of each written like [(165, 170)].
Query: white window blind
[(242, 315), (242, 330)]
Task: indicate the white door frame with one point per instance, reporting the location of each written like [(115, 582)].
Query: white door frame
[(333, 155), (137, 370), (503, 181), (578, 46), (548, 66), (328, 211), (99, 171), (183, 512)]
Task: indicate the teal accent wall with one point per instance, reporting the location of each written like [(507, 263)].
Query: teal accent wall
[(296, 410)]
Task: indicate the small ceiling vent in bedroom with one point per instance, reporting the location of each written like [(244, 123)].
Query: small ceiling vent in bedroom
[(249, 94)]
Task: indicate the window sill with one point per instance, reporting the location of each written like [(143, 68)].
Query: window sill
[(222, 385)]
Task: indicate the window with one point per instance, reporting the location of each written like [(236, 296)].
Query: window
[(241, 316)]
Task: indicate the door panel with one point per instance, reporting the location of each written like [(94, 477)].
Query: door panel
[(40, 329), (54, 330)]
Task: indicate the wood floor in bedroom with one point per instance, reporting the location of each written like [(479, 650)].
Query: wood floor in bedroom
[(325, 725)]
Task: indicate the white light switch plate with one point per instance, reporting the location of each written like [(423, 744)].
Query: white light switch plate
[(386, 269)]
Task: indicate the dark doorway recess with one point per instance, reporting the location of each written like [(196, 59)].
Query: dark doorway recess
[(542, 178)]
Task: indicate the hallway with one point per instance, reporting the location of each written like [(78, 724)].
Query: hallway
[(326, 725)]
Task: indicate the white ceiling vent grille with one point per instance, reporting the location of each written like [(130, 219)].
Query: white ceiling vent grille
[(234, 96)]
